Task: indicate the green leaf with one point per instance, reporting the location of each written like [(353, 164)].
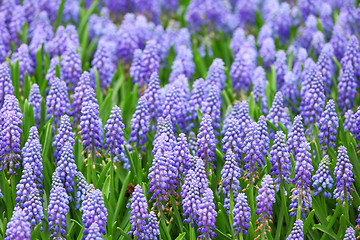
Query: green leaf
[(60, 14), (325, 230), (309, 220), (177, 215), (103, 174), (181, 236), (223, 235), (121, 199), (106, 188), (124, 234)]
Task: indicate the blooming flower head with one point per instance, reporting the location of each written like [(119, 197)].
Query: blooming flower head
[(64, 134), (206, 141), (190, 193), (259, 86), (326, 66), (66, 167), (17, 22), (33, 208), (241, 214), (152, 94), (70, 70), (139, 213), (207, 214), (57, 101), (150, 61), (198, 96), (18, 227), (140, 123), (182, 154), (323, 181), (265, 199), (347, 87), (338, 41), (241, 72), (350, 122), (183, 63), (280, 160), (232, 139), (280, 67), (264, 135), (35, 101), (216, 74), (93, 209), (25, 62), (152, 227), (296, 136), (175, 106), (268, 52), (25, 186), (297, 231), (79, 95), (212, 105), (344, 176), (328, 125), (165, 127), (349, 234), (81, 188), (352, 55), (6, 87)]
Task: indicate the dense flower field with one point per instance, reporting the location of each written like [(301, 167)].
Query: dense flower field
[(179, 119)]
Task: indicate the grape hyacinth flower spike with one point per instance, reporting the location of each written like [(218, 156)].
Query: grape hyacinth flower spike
[(207, 214), (322, 180), (66, 167), (140, 124), (241, 215), (152, 227), (328, 125), (64, 134), (206, 141), (297, 231), (349, 234), (152, 94), (190, 193), (139, 213), (347, 87), (18, 227), (296, 136), (35, 101)]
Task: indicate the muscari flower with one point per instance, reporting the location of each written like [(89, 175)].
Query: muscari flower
[(79, 95), (182, 155), (237, 39), (259, 87), (349, 234), (207, 214), (51, 72), (18, 227), (267, 52), (245, 10), (93, 209), (280, 160), (25, 186), (350, 122), (152, 94), (252, 151), (6, 87), (296, 136), (57, 210), (230, 178), (57, 101), (140, 123), (241, 214), (328, 125), (193, 142), (265, 199), (338, 41), (326, 67), (290, 90), (206, 141), (347, 87), (216, 74), (165, 126), (190, 193), (91, 125), (322, 180), (183, 63), (344, 176), (35, 101), (114, 137), (81, 188), (232, 139), (33, 208), (317, 42), (70, 70), (198, 96), (283, 21), (150, 61), (175, 106), (138, 213), (301, 193), (241, 72), (94, 232), (278, 113), (64, 134), (152, 227), (25, 62), (264, 135), (280, 67), (297, 231), (352, 55), (63, 38), (17, 22), (212, 105), (66, 167)]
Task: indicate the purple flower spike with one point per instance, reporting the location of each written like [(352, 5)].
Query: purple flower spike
[(347, 87), (326, 66), (240, 112), (175, 106), (182, 155), (290, 90), (245, 11), (57, 101), (165, 126), (193, 142), (317, 42), (352, 55), (140, 124), (206, 141), (338, 41), (344, 176), (66, 167), (93, 209), (81, 188), (152, 94), (267, 52), (241, 215), (25, 186), (70, 70), (301, 193), (281, 68), (322, 178), (232, 139), (253, 150), (114, 137), (312, 97), (33, 209), (102, 61), (207, 214), (297, 231), (64, 37), (350, 234), (350, 122), (328, 125), (296, 136), (150, 61), (264, 135), (241, 72), (212, 105), (17, 22), (152, 227), (216, 74), (57, 210), (200, 173), (79, 95), (35, 101), (139, 213), (6, 87), (64, 134), (278, 114), (51, 73), (259, 87), (25, 62), (18, 227), (265, 199), (198, 96), (94, 232), (280, 160), (190, 193), (230, 177), (183, 63)]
